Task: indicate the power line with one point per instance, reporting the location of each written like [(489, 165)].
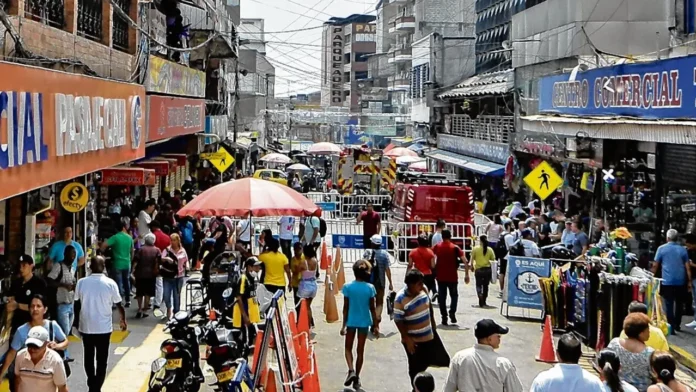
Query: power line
[(284, 31)]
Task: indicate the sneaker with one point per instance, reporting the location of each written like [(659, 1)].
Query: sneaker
[(350, 378), (444, 321), (127, 305), (691, 324), (453, 319), (356, 383), (145, 315), (139, 315)]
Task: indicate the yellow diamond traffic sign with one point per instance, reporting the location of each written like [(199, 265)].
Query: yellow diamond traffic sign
[(214, 155), (543, 180), (222, 159)]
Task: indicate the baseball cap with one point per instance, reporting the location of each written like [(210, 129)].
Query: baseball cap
[(526, 232), (376, 239), (252, 262), (487, 327), (37, 336), (26, 259)]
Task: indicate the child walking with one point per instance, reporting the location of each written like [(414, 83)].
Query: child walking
[(359, 316)]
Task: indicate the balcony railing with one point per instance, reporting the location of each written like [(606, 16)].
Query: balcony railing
[(49, 12), (487, 128), (89, 19), (120, 26)]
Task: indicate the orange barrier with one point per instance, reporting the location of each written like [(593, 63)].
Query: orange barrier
[(324, 257), (547, 351), (303, 322), (271, 383), (257, 350)]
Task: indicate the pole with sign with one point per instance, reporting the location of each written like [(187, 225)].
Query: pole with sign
[(522, 284), (543, 180), (221, 160)]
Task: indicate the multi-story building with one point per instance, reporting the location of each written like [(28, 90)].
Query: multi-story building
[(348, 43)]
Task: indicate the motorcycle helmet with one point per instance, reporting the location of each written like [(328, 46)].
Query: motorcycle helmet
[(562, 253)]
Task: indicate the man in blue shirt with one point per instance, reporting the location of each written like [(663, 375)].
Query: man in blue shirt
[(676, 278), (57, 251)]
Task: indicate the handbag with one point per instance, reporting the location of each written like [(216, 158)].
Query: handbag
[(66, 364), (439, 356)]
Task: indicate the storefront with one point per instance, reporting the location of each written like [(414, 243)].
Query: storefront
[(59, 128), (637, 112)]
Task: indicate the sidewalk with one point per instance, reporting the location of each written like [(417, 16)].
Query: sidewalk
[(683, 345)]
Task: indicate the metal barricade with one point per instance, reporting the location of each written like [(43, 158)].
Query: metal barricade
[(405, 237), (352, 205), (329, 203)]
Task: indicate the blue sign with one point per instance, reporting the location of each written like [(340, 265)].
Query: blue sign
[(523, 287), (352, 241), (659, 89), (353, 134), (329, 206)]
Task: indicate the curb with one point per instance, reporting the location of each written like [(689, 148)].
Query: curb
[(685, 358)]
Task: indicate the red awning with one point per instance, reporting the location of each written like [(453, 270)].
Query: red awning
[(172, 163), (181, 159), (161, 168), (127, 176)]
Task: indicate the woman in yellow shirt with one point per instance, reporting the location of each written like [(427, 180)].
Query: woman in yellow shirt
[(481, 257), (296, 267), (277, 266)]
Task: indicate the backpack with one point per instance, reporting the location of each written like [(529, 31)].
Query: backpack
[(374, 275), (501, 247), (322, 227), (517, 249)]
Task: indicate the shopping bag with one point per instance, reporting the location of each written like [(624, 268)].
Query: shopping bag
[(439, 356)]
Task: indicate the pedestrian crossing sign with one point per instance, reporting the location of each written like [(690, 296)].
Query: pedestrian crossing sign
[(221, 160), (543, 180)]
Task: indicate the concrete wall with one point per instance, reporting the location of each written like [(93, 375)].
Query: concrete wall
[(614, 26), (446, 17), (252, 30)]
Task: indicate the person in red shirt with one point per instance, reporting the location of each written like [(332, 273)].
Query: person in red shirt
[(372, 223), (447, 275), (423, 259)]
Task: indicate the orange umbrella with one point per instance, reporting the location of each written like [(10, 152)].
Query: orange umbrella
[(401, 152), (249, 196)]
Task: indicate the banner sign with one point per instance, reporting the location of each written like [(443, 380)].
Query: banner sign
[(171, 116), (167, 77), (524, 289), (655, 90), (353, 241), (329, 206), (337, 39)]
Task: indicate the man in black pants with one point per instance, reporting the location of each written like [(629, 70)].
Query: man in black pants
[(94, 296)]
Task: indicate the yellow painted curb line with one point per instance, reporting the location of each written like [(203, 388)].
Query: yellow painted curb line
[(684, 357), (117, 337)]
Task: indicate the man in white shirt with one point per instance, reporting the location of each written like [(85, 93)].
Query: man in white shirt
[(531, 249), (567, 376), (480, 368), (244, 230), (144, 218), (96, 294), (287, 232)]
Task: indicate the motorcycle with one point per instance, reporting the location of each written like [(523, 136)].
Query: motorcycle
[(178, 369)]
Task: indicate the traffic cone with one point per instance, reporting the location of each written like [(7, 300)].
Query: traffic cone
[(303, 322), (324, 257), (271, 385), (341, 274), (547, 352), (337, 261), (257, 353), (312, 380), (300, 342), (292, 317), (330, 308)]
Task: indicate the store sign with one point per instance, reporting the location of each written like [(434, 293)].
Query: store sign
[(539, 145), (378, 126), (523, 287), (375, 94), (161, 168), (660, 89), (74, 197), (171, 117), (167, 77), (216, 125), (56, 126), (363, 32), (337, 39), (490, 151)]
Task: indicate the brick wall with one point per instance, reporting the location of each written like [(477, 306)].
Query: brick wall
[(55, 43)]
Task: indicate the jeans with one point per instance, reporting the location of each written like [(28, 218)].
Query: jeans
[(66, 316), (159, 292), (443, 287), (673, 299), (421, 359), (96, 344), (122, 278), (172, 292)]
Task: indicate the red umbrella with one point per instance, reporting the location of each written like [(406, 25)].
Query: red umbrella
[(388, 148), (324, 148), (401, 152), (253, 196)]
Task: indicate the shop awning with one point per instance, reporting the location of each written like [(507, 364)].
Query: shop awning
[(469, 163), (161, 168), (127, 176), (492, 83)]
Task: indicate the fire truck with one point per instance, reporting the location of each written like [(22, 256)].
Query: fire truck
[(365, 169)]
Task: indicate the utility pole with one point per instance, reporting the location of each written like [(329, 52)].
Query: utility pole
[(236, 98), (266, 116)]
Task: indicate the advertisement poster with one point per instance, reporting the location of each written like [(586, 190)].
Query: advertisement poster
[(524, 290)]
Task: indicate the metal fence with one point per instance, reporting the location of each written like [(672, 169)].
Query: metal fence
[(405, 237)]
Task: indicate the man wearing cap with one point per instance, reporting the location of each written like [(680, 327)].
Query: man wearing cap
[(37, 367), (246, 311), (22, 290), (381, 272), (531, 249), (480, 368)]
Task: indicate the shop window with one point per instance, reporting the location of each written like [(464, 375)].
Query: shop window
[(120, 26), (346, 58), (89, 19), (346, 77), (50, 12), (361, 75)]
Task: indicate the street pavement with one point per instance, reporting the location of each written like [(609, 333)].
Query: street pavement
[(385, 368)]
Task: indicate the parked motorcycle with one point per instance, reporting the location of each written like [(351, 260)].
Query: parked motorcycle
[(178, 369)]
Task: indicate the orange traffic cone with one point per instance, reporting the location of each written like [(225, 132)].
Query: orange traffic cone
[(312, 380), (271, 383), (547, 352), (300, 342), (324, 257), (257, 349), (337, 260), (292, 317), (303, 322), (341, 274), (330, 307)]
